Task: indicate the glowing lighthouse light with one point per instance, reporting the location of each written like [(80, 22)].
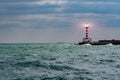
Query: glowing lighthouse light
[(87, 39), (87, 25)]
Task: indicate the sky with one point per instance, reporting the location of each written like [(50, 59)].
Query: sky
[(46, 21)]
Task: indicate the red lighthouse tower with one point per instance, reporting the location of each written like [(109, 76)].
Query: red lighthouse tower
[(87, 39)]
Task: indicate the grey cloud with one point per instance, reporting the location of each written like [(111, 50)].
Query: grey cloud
[(33, 21)]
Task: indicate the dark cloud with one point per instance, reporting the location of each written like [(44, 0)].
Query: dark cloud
[(24, 15), (17, 1), (39, 7)]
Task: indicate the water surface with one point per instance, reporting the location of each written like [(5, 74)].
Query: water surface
[(59, 62)]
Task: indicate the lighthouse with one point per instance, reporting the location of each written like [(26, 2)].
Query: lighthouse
[(87, 39)]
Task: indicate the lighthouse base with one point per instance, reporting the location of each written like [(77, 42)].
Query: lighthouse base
[(87, 40)]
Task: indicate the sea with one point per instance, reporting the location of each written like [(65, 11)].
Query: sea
[(59, 61)]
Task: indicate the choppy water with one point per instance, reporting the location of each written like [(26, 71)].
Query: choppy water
[(59, 62)]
